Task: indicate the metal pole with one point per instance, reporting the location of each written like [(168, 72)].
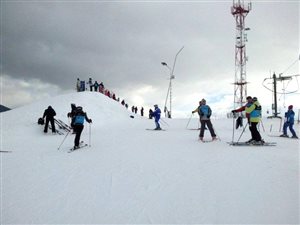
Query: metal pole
[(170, 83)]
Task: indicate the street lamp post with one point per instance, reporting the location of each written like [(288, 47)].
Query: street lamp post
[(169, 113)]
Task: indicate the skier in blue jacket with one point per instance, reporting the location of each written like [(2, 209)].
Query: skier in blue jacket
[(289, 123), (78, 126), (156, 115)]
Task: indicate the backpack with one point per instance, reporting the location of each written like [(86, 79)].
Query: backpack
[(205, 111), (79, 116), (41, 121)]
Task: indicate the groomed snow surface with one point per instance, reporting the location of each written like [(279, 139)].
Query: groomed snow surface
[(131, 175)]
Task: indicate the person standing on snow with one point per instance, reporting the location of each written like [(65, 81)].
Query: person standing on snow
[(90, 83), (205, 113), (156, 115), (289, 122), (79, 118), (243, 108), (72, 115), (78, 85), (49, 113), (254, 112)]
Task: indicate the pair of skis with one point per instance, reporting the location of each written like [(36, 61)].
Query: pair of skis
[(81, 145), (252, 144), (62, 125)]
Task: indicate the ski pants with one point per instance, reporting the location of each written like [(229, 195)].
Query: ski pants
[(51, 120), (209, 126), (254, 132), (157, 122), (290, 126), (78, 130)]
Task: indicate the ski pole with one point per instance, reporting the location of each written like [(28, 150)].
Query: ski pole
[(189, 121), (242, 132), (262, 124), (232, 129), (90, 129), (164, 122), (63, 140)]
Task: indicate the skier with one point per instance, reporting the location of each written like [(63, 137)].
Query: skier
[(205, 113), (72, 115), (156, 115), (254, 111), (78, 85), (289, 122), (241, 109), (96, 85), (79, 116), (49, 114), (90, 83)]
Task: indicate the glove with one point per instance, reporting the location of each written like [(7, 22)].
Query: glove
[(90, 120), (192, 112), (233, 111)]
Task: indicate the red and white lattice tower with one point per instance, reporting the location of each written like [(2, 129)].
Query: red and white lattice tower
[(239, 10)]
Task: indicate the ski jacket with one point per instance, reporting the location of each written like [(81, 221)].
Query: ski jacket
[(156, 113), (243, 108), (204, 112), (289, 115), (49, 113), (255, 112), (79, 118)]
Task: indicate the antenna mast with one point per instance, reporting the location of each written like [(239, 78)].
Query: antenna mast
[(240, 11)]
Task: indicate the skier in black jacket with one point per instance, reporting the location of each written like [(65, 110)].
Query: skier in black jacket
[(49, 114)]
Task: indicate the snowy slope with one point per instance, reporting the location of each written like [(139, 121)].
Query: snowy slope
[(131, 175)]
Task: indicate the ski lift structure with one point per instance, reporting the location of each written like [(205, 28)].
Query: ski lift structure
[(285, 81)]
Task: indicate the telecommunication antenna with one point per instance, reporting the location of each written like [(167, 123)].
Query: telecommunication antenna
[(239, 10)]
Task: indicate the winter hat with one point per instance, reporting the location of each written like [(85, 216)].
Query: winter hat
[(291, 106), (155, 105), (249, 97), (254, 98)]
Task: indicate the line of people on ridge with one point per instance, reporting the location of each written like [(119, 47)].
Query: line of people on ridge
[(95, 86)]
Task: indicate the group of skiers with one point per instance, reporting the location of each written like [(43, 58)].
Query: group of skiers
[(77, 115), (252, 109), (253, 115)]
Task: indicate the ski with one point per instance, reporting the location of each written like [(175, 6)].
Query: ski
[(62, 125), (5, 151), (287, 137), (156, 130), (80, 147), (56, 130), (252, 144)]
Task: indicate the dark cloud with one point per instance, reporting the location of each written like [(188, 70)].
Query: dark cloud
[(124, 43)]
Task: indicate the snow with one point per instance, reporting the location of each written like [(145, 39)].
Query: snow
[(132, 175)]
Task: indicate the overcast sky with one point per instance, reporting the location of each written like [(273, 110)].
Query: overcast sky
[(47, 45)]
